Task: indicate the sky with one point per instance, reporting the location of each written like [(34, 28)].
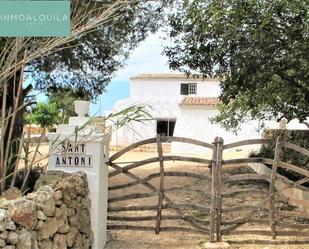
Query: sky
[(146, 58)]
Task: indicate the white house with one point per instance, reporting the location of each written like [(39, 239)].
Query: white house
[(180, 106)]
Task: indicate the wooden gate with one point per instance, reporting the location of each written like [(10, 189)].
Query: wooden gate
[(215, 167), (277, 222)]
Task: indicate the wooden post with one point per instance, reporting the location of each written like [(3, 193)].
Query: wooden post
[(219, 156), (272, 190), (161, 187), (213, 208)]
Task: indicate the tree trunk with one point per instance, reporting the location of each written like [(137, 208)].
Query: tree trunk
[(13, 144)]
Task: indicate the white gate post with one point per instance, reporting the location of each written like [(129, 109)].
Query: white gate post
[(86, 151)]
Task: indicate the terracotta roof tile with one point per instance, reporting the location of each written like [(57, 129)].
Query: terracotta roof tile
[(209, 101)]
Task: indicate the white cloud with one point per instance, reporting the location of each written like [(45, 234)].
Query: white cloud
[(146, 58)]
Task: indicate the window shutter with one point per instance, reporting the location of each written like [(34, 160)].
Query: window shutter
[(184, 89)]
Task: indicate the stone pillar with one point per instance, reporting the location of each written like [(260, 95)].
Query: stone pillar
[(80, 146)]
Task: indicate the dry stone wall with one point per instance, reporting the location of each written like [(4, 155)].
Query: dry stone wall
[(55, 216)]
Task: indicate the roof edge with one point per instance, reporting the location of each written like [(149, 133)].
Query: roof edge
[(171, 76), (200, 101)]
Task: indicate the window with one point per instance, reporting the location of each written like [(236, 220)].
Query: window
[(192, 88), (184, 89), (165, 127), (187, 88)]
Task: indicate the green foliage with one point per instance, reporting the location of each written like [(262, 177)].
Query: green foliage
[(258, 49), (45, 114), (28, 118), (88, 63), (130, 115), (64, 98), (298, 137), (134, 113)]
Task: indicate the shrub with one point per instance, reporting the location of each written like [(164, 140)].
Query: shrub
[(298, 137), (45, 114)]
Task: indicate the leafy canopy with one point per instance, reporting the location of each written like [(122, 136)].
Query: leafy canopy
[(44, 114), (259, 49), (64, 98), (88, 63)]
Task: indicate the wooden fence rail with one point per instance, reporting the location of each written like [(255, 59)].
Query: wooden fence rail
[(214, 226)]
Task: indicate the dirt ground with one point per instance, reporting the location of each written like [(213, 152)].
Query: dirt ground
[(191, 191)]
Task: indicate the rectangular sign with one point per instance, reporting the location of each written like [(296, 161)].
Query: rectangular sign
[(73, 155), (34, 18), (68, 148), (73, 161)]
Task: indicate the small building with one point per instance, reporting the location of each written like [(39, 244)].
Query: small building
[(180, 106)]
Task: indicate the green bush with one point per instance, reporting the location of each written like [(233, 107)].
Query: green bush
[(298, 137), (45, 114)]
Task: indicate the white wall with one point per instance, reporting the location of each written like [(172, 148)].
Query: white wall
[(191, 121), (294, 124), (169, 89), (194, 122), (136, 131), (133, 132), (163, 96)]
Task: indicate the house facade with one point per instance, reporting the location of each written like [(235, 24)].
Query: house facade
[(180, 106)]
